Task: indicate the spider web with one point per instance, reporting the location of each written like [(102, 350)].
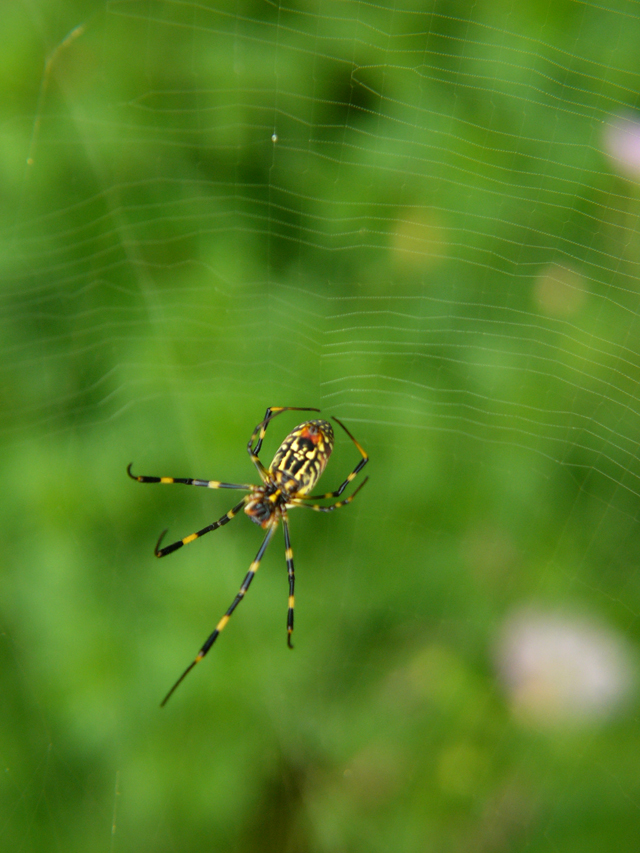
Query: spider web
[(422, 218)]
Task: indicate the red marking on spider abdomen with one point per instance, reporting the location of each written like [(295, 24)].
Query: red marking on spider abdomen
[(313, 437)]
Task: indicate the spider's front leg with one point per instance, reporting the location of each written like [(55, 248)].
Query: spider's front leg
[(261, 428)]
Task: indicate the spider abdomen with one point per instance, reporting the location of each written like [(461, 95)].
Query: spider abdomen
[(302, 456)]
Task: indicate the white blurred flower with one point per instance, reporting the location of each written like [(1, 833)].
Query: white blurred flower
[(560, 668), (622, 144)]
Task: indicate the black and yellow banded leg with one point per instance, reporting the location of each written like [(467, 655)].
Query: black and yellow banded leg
[(189, 481), (253, 568), (352, 475), (332, 506), (169, 549), (261, 430), (288, 553)]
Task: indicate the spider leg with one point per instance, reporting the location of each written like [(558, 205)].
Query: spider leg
[(288, 553), (253, 568), (350, 478), (261, 428), (299, 502), (168, 549), (188, 481)]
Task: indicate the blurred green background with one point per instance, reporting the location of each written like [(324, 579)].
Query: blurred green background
[(419, 217)]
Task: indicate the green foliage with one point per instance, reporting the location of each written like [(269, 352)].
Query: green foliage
[(406, 215)]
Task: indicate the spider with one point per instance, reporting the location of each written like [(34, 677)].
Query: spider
[(286, 483)]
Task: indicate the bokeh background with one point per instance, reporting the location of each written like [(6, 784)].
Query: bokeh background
[(419, 217)]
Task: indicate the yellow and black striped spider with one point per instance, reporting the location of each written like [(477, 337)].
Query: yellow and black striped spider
[(286, 483)]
